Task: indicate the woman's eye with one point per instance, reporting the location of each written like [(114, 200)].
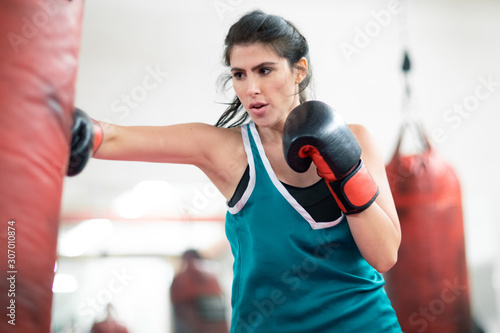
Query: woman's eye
[(265, 70), (237, 75)]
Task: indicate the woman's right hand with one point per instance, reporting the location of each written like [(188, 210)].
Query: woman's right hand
[(86, 137)]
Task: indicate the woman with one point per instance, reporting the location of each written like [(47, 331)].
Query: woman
[(288, 276)]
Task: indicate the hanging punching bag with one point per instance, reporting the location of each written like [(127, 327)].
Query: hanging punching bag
[(428, 286), (39, 46)]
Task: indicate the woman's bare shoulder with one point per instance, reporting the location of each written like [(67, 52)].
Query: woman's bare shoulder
[(227, 159)]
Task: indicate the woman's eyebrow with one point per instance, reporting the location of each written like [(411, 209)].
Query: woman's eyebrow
[(264, 64)]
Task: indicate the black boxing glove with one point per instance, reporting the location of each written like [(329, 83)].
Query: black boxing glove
[(314, 132), (86, 138)]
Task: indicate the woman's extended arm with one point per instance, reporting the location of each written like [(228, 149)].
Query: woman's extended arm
[(218, 152), (184, 143)]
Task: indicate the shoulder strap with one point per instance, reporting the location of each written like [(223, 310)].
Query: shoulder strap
[(247, 142)]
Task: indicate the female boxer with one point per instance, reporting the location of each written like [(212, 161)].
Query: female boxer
[(308, 252)]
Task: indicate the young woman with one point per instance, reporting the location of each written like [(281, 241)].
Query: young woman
[(301, 265)]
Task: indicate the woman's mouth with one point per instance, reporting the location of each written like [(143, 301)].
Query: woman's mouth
[(258, 108)]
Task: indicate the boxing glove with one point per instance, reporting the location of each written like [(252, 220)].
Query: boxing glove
[(86, 138), (314, 132)]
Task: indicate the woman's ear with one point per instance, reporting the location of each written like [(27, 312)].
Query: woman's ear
[(301, 67)]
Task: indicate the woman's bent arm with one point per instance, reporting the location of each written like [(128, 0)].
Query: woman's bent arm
[(376, 230)]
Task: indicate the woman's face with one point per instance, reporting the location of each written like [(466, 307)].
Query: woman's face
[(265, 84)]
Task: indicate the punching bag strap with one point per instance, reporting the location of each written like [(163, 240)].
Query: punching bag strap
[(411, 124)]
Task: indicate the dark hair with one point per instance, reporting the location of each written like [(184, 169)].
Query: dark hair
[(271, 30), (191, 254)]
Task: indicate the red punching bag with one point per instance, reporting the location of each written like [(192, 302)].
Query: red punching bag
[(39, 47), (428, 286)]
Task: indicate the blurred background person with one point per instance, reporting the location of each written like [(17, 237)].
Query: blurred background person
[(197, 299)]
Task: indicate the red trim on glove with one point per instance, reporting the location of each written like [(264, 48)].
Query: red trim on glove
[(98, 136), (337, 199), (353, 193), (324, 170), (360, 188)]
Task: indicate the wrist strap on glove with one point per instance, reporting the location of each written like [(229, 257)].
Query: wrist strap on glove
[(355, 192)]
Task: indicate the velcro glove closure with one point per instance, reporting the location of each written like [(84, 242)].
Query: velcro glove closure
[(355, 192)]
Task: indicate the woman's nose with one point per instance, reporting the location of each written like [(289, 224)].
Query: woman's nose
[(253, 87)]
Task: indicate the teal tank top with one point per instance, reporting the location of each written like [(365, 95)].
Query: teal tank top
[(294, 274)]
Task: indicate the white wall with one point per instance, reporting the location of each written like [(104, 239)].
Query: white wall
[(454, 46)]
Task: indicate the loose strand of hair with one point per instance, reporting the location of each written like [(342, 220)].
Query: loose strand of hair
[(233, 110)]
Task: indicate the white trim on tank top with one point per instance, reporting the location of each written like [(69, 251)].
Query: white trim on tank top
[(251, 182), (276, 182)]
